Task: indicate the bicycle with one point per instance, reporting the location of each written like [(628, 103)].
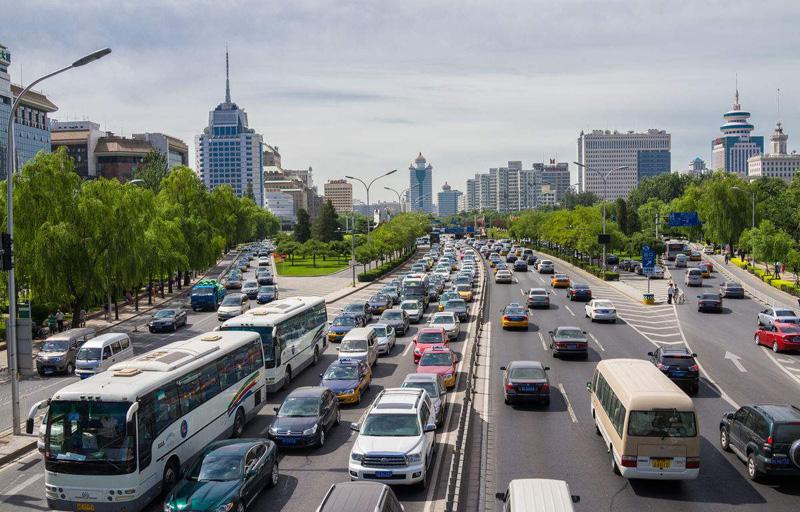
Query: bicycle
[(678, 297)]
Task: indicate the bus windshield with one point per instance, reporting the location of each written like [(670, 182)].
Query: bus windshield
[(266, 341), (89, 437), (662, 423)]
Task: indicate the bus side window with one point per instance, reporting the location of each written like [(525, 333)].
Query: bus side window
[(146, 418), (241, 363), (255, 356), (167, 407), (594, 381), (226, 371)]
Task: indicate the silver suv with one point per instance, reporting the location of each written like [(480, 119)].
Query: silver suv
[(397, 440)]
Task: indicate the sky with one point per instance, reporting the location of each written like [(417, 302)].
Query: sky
[(360, 87)]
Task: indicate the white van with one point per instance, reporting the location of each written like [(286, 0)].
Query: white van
[(360, 343), (537, 495), (98, 354)]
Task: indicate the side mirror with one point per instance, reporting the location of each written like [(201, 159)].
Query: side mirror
[(730, 415), (589, 386), (320, 375), (503, 368), (550, 333), (694, 355), (276, 409), (546, 368), (430, 427), (354, 427), (698, 296), (500, 496), (650, 354), (29, 426), (250, 473), (584, 332), (575, 498)]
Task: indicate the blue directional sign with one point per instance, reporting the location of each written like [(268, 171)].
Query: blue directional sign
[(454, 230), (470, 229), (683, 219), (648, 260)]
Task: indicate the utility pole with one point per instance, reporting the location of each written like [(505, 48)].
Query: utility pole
[(353, 247)]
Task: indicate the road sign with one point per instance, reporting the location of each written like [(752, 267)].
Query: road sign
[(604, 239), (454, 230), (648, 260), (683, 219)]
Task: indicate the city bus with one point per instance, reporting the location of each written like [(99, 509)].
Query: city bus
[(115, 441), (293, 333), (648, 423), (674, 247), (415, 287)]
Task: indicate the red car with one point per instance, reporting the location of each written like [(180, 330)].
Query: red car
[(707, 264), (429, 337), (441, 361), (780, 336)]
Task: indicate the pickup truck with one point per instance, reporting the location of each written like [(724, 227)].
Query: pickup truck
[(207, 294)]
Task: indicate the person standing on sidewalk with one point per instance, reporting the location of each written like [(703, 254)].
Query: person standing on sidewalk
[(83, 317), (52, 321), (670, 291), (60, 320)]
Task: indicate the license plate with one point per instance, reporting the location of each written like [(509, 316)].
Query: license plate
[(289, 441), (571, 346), (780, 462), (679, 374), (383, 474), (85, 506), (528, 388), (661, 463)]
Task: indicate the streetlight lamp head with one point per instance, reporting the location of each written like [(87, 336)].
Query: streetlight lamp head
[(99, 54), (391, 172), (579, 164), (349, 177), (137, 181)]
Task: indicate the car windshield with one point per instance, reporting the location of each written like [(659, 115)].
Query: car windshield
[(787, 432), (89, 354), (429, 387), (662, 423), (295, 407), (456, 304), (527, 373), (429, 337), (54, 346), (354, 308), (437, 359), (784, 312), (165, 313), (380, 331), (442, 319), (463, 288), (515, 311), (409, 305), (537, 292), (391, 425), (732, 285), (392, 315), (215, 468), (232, 300), (250, 284), (266, 289), (353, 346), (344, 321), (569, 333), (379, 298), (340, 372)]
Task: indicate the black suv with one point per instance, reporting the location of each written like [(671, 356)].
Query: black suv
[(767, 437), (679, 365)]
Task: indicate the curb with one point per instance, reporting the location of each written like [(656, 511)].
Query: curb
[(358, 288), (22, 450)]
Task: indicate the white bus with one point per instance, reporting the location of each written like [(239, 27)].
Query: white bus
[(293, 333), (115, 441)]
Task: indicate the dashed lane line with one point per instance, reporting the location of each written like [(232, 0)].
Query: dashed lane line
[(570, 311), (785, 370), (598, 343), (544, 345), (569, 405)]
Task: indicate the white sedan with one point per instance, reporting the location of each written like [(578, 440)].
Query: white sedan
[(414, 310), (601, 309), (502, 276), (448, 321)]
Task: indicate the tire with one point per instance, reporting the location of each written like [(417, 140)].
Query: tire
[(316, 357), (546, 402), (70, 369), (42, 373), (613, 320), (321, 440), (274, 475), (170, 478), (614, 466), (358, 400), (287, 378), (506, 401), (151, 331), (775, 347), (240, 507), (752, 469), (724, 440), (174, 327), (338, 417), (755, 339), (238, 425)]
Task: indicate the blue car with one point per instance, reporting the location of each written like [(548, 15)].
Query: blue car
[(348, 379), (267, 294), (341, 325)]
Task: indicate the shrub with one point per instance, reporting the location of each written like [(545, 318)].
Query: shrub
[(377, 272)]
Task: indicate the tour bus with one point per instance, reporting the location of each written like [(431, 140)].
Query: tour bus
[(114, 442), (674, 247), (294, 333), (648, 424)]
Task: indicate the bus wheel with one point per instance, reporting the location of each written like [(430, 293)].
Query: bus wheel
[(316, 356), (614, 466), (287, 378), (170, 476), (238, 424)]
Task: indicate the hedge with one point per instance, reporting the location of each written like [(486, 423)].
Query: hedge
[(781, 284), (377, 272)]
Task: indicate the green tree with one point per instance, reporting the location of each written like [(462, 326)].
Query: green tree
[(153, 170), (580, 199), (249, 194), (302, 229), (769, 244), (724, 209), (793, 262), (314, 248), (326, 226), (621, 211), (289, 248)]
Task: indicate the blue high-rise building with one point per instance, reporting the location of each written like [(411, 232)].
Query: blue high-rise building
[(420, 192), (731, 151), (31, 124), (228, 152)]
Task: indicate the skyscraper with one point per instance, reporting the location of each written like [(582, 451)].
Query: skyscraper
[(448, 200), (731, 151), (420, 193), (555, 178), (228, 152), (340, 194), (646, 154)]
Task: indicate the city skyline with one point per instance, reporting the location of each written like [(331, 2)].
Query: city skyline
[(469, 83)]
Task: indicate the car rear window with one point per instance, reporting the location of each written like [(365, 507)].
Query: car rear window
[(527, 373), (430, 337), (683, 362), (784, 313), (787, 432), (662, 424), (790, 330)]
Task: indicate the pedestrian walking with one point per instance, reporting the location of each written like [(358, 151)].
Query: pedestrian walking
[(670, 291), (52, 321), (83, 317), (60, 320), (727, 258)]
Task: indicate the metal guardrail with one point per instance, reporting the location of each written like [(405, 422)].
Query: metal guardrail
[(762, 297)]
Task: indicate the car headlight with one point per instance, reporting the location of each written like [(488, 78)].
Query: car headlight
[(448, 376), (413, 457), (273, 430), (167, 508), (356, 457), (225, 508), (349, 392), (310, 431)]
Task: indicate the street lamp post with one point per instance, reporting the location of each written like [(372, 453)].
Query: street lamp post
[(604, 177), (12, 285), (367, 187), (753, 193), (399, 195)]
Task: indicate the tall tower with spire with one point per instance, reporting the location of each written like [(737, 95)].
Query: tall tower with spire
[(731, 151), (228, 152), (420, 192)]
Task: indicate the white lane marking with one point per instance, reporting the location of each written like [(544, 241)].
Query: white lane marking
[(522, 292), (669, 342), (648, 326), (785, 370), (541, 337), (569, 405), (570, 311), (660, 335), (408, 347), (598, 343), (735, 360), (787, 361), (16, 489), (540, 279)]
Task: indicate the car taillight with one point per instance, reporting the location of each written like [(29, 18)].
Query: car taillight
[(768, 445), (595, 311), (662, 366), (694, 368), (510, 386), (546, 387), (505, 318), (629, 461), (692, 462)]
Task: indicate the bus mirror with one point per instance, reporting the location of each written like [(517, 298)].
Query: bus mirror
[(500, 496), (131, 411), (589, 386), (29, 426), (576, 499)]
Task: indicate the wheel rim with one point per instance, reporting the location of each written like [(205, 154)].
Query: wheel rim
[(275, 474), (288, 378), (774, 346), (316, 356), (170, 477), (723, 438), (240, 507), (338, 416), (238, 425), (70, 368), (755, 339), (322, 437), (751, 466)]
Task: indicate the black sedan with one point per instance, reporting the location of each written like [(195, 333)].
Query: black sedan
[(361, 310), (569, 341), (731, 289), (520, 266), (226, 476), (532, 260), (511, 258), (526, 381), (709, 302), (267, 294), (304, 417), (579, 291), (167, 320)]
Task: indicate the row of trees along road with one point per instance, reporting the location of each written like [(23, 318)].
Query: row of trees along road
[(79, 241)]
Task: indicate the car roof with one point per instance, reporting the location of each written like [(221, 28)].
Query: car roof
[(537, 290), (526, 364), (580, 285), (353, 497), (345, 361), (421, 377), (233, 446), (314, 391), (565, 327), (779, 412), (678, 351)]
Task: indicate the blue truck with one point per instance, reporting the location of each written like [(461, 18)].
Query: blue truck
[(207, 294)]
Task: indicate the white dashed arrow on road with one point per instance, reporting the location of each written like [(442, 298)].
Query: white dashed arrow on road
[(735, 359)]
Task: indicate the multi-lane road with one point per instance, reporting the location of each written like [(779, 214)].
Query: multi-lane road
[(305, 474), (560, 441)]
